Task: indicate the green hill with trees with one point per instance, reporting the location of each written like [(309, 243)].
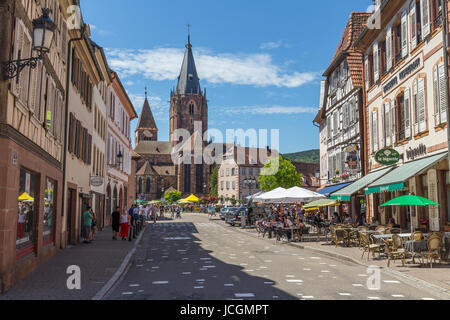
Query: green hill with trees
[(310, 156)]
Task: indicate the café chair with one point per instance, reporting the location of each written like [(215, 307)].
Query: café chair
[(434, 246), (395, 250), (369, 246)]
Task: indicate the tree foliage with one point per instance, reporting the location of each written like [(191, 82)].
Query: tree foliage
[(286, 176), (214, 183), (172, 196)]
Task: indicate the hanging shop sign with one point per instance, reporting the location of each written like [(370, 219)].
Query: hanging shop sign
[(352, 159), (387, 157), (96, 181)]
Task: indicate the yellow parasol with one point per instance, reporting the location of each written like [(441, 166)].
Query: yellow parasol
[(25, 197), (191, 198)]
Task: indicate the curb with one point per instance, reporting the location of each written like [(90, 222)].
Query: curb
[(121, 271), (412, 281)]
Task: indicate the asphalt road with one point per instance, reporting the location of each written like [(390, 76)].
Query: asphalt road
[(197, 259)]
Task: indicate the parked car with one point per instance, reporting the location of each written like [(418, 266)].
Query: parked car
[(223, 213), (235, 218), (230, 215)]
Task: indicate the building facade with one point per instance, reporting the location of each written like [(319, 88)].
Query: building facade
[(340, 117), (119, 148), (406, 111), (158, 168), (31, 142)]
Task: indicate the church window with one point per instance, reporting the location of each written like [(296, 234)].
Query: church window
[(147, 186), (191, 108), (140, 185)]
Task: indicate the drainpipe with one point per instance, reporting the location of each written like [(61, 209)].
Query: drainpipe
[(66, 131), (445, 46)]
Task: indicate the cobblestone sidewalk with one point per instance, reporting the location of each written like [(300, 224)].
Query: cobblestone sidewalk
[(98, 262)]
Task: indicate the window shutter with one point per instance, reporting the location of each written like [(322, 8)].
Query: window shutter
[(387, 124), (89, 158), (70, 142), (366, 71), (393, 123), (329, 128), (389, 49), (421, 99), (425, 6), (437, 106), (413, 22), (18, 49), (416, 108), (407, 113), (24, 78), (376, 63), (404, 34), (374, 131), (443, 100), (35, 87)]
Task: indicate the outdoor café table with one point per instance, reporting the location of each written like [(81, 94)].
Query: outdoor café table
[(419, 246), (378, 237)]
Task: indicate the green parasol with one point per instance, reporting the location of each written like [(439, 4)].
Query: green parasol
[(409, 200)]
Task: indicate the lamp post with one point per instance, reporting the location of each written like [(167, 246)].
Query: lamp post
[(43, 32)]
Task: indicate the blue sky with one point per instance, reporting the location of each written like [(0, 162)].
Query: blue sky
[(260, 61)]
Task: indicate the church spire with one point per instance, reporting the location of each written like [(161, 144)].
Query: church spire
[(146, 120), (188, 81)]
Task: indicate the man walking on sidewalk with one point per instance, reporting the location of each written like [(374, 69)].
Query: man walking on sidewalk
[(115, 222)]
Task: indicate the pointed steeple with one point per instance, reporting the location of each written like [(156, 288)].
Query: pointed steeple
[(146, 120), (188, 81)]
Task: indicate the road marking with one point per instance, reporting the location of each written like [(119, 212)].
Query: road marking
[(362, 275), (332, 265), (243, 264), (209, 267), (127, 293), (345, 294), (315, 258), (428, 299), (155, 267), (244, 295), (160, 282), (205, 258), (199, 287), (398, 296), (308, 297), (269, 283), (200, 280), (325, 271), (228, 285), (268, 261), (275, 297), (391, 281), (186, 273), (294, 281), (357, 285), (135, 285), (373, 298), (139, 265), (140, 291), (307, 270)]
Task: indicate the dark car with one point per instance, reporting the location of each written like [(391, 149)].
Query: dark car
[(230, 215), (223, 213), (235, 218)]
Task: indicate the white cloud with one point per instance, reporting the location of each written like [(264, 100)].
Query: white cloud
[(240, 69), (271, 45), (268, 110)]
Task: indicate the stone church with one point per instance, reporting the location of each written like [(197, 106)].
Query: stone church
[(157, 172)]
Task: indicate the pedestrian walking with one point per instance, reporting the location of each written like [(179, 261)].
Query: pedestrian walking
[(172, 212), (93, 226), (124, 225), (87, 222), (115, 222), (178, 212), (154, 214)]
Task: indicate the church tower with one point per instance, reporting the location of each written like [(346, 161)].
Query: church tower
[(187, 103), (146, 130)]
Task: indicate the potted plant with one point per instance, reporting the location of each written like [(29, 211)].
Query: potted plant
[(345, 176), (447, 227), (423, 224)]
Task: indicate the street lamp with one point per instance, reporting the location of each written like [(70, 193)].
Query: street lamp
[(119, 160), (43, 32)]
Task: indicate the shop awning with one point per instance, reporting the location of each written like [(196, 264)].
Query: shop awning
[(395, 180), (346, 193), (331, 189), (322, 203)]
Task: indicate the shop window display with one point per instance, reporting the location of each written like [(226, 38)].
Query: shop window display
[(49, 212), (26, 213)]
